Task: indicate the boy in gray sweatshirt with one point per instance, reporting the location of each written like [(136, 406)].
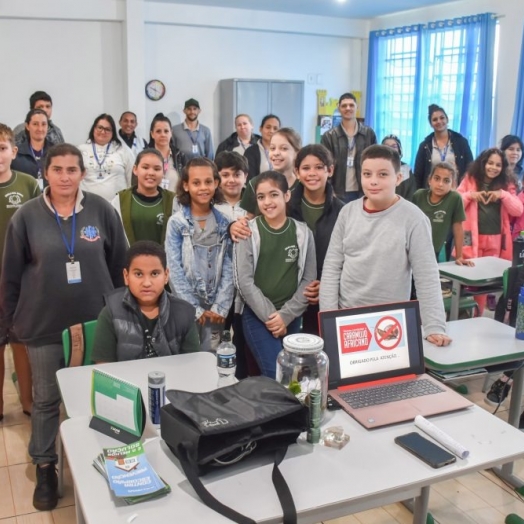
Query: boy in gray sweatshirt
[(378, 243)]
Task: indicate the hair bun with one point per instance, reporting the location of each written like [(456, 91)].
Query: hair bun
[(159, 115), (433, 107)]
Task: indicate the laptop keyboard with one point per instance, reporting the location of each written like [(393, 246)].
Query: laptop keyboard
[(384, 394)]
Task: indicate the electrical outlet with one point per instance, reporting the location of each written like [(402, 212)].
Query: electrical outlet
[(311, 77)]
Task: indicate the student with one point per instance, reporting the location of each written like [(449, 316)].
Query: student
[(258, 157), (406, 189), (143, 320), (41, 100), (283, 148), (512, 147), (161, 138), (199, 250), (378, 241), (315, 203), (232, 168), (272, 270), (15, 189), (443, 206), (490, 199), (146, 207), (109, 164)]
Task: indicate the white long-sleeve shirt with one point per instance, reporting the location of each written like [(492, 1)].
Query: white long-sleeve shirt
[(371, 258), (114, 173)]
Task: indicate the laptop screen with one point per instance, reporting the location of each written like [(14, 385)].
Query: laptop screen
[(371, 343)]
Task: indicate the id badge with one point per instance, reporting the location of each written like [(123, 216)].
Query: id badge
[(40, 182), (164, 184), (351, 161), (194, 149), (73, 273)]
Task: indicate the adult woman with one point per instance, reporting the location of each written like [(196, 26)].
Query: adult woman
[(146, 207), (406, 189), (258, 157), (490, 202), (242, 138), (161, 138), (33, 146), (63, 251), (109, 164), (512, 147), (443, 145)]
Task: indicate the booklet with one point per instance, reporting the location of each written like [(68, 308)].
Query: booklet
[(129, 474)]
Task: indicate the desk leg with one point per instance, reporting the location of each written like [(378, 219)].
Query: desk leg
[(419, 506), (505, 472), (455, 300)]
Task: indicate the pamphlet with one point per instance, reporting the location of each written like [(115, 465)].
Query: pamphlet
[(129, 474)]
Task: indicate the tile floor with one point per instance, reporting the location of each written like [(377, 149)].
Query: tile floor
[(475, 498)]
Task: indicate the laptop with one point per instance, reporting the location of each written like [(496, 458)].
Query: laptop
[(376, 364)]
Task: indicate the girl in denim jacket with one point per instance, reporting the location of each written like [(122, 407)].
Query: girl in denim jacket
[(199, 250)]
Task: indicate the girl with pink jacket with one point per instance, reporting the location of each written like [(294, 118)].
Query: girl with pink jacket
[(490, 199)]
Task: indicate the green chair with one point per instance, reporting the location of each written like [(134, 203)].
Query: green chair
[(78, 344), (466, 303)]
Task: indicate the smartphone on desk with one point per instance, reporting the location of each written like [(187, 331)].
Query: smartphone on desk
[(425, 450)]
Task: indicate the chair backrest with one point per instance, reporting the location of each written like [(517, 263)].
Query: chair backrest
[(78, 344), (512, 280)]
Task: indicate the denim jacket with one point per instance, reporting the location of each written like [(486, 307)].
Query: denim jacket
[(187, 281)]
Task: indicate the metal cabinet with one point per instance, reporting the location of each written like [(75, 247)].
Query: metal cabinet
[(257, 98)]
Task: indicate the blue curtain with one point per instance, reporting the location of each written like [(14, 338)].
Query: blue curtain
[(453, 67), (518, 116)]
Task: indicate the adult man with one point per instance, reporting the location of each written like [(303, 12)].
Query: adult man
[(346, 142), (41, 100), (127, 132), (191, 137)]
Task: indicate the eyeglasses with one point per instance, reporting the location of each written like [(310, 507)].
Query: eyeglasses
[(103, 129)]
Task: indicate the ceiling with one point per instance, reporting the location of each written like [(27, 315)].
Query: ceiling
[(332, 8)]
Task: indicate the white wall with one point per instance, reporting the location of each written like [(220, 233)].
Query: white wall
[(511, 27), (191, 60)]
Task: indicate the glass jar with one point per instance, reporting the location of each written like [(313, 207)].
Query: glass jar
[(303, 366)]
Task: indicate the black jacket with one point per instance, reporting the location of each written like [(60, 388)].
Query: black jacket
[(232, 141), (25, 161), (325, 223), (336, 141), (176, 318), (461, 149), (253, 157)]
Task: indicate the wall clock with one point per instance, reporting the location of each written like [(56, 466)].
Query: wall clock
[(155, 90)]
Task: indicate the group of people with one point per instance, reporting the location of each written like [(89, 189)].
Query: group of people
[(167, 245)]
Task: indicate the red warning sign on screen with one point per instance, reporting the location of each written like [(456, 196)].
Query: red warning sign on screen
[(355, 337)]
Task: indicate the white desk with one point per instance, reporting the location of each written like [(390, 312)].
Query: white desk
[(486, 272), (191, 372), (482, 342), (370, 471)]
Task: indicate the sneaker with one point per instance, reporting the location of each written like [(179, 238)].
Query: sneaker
[(492, 302), (499, 391), (45, 497)]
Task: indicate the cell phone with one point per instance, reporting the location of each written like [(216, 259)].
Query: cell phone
[(332, 404), (425, 450)]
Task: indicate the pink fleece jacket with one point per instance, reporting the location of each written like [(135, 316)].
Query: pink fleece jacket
[(518, 225), (511, 206)]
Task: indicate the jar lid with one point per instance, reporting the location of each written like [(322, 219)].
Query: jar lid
[(303, 343)]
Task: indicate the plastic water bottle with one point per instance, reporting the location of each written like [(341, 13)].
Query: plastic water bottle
[(226, 360), (156, 382), (519, 328), (518, 250)]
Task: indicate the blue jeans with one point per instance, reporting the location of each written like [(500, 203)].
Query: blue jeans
[(263, 345)]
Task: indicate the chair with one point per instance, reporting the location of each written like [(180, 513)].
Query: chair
[(466, 303), (78, 344)]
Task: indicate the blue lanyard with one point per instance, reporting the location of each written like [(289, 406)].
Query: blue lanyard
[(100, 164), (443, 153), (266, 154), (38, 160), (70, 247), (190, 133)]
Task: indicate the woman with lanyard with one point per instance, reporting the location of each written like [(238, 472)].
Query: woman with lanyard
[(161, 138), (109, 164), (242, 138), (64, 250), (443, 145), (146, 207), (33, 146), (258, 157)]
